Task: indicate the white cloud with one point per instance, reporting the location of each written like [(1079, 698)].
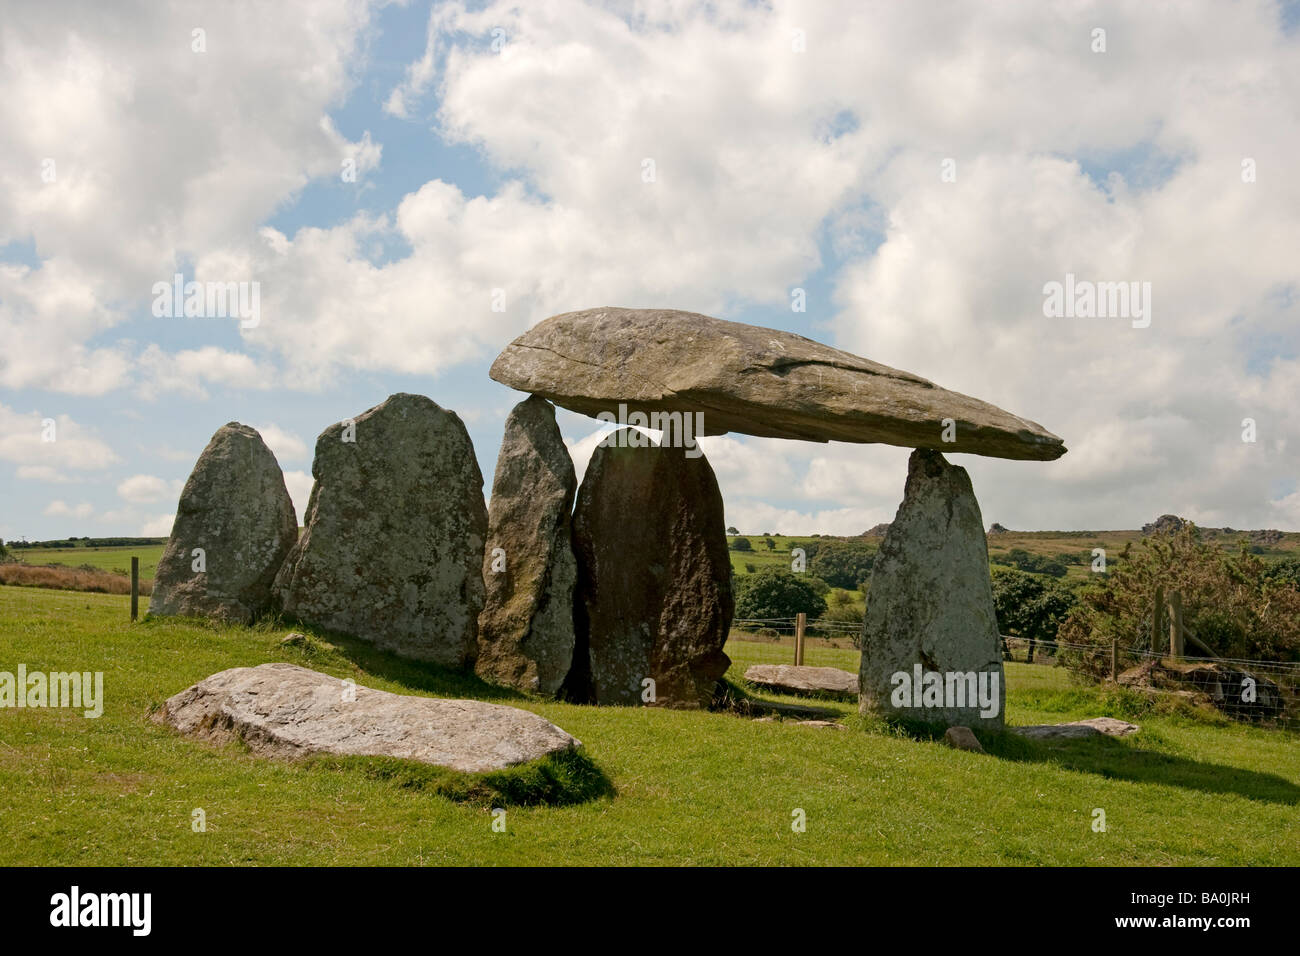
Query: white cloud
[(187, 371), (61, 509), (117, 98), (285, 444), (159, 526), (299, 485), (146, 489), (73, 446), (755, 517), (44, 474), (764, 158)]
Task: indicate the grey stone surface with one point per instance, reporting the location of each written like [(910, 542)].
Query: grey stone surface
[(236, 510), (283, 710), (654, 578), (1093, 727), (792, 679), (392, 548), (526, 634), (759, 381), (930, 602)]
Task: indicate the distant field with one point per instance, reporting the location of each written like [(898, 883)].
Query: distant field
[(1053, 544), (1050, 544), (113, 560)]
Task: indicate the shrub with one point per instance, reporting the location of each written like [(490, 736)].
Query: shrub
[(775, 593), (842, 614), (842, 598), (1230, 602), (818, 585), (842, 564), (741, 544)]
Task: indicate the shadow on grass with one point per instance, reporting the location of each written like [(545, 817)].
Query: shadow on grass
[(558, 780), (1115, 759), (1123, 760), (413, 674), (731, 697)]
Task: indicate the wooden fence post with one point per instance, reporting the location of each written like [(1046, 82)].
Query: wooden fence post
[(135, 588), (1114, 659), (1156, 614), (800, 622), (1176, 625)]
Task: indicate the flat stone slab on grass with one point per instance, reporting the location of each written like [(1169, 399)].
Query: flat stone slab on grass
[(744, 378), (283, 710), (799, 679), (1092, 727)]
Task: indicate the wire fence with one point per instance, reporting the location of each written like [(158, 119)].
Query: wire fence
[(1267, 692)]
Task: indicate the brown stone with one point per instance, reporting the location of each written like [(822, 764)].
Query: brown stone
[(962, 738), (654, 577), (526, 636)]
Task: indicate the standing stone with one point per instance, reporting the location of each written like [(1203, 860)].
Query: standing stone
[(525, 636), (930, 607), (654, 576), (392, 548), (236, 512)]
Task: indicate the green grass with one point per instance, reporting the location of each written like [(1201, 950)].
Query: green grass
[(652, 787), (117, 560)]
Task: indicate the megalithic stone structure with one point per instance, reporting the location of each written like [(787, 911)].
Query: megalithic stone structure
[(930, 646)]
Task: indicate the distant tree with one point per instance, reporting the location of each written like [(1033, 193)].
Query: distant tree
[(842, 564), (775, 593), (741, 544), (771, 545), (732, 531), (1030, 606), (1035, 563)]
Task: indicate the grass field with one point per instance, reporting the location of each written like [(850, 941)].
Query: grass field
[(688, 787), (115, 560)]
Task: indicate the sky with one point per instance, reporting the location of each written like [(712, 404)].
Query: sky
[(409, 186)]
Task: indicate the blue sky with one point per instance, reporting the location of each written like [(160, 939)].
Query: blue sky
[(519, 167)]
